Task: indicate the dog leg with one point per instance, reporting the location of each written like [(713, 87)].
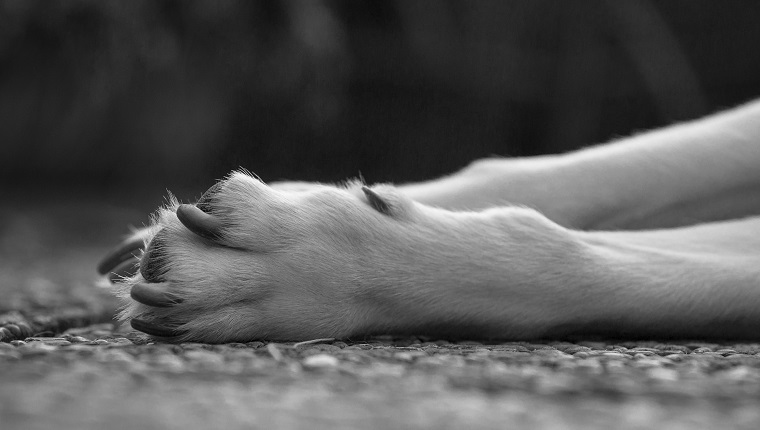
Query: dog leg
[(703, 170), (249, 262), (690, 282)]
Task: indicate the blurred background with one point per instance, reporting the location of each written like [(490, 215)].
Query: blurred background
[(119, 101), (105, 105)]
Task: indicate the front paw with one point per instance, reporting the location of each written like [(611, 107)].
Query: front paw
[(251, 262), (121, 262)]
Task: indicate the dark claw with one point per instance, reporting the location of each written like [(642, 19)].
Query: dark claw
[(375, 200), (123, 253), (126, 270), (154, 295), (152, 329), (199, 222)]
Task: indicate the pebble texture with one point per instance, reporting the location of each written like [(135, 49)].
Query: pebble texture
[(95, 377), (65, 366)]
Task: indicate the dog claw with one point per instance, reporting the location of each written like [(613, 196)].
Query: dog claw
[(125, 270), (120, 255), (375, 200), (154, 295), (152, 329), (199, 222)]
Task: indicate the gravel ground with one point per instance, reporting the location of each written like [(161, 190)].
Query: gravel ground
[(65, 365)]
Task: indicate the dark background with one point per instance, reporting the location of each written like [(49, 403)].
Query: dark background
[(122, 100)]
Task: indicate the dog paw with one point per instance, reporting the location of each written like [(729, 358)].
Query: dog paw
[(248, 261), (122, 262)]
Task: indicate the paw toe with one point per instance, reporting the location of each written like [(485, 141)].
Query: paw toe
[(154, 329), (200, 222)]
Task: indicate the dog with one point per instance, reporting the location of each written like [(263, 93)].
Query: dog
[(655, 235)]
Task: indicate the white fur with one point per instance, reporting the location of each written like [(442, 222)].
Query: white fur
[(300, 261)]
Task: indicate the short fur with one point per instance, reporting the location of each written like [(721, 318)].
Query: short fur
[(654, 235)]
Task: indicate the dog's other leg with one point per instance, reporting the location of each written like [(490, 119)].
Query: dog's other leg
[(697, 171), (689, 282)]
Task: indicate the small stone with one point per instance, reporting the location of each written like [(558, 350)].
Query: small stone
[(514, 348), (43, 339), (642, 352), (320, 361), (404, 356), (34, 348), (648, 362), (5, 335), (364, 346), (744, 356), (430, 361), (572, 349), (120, 341), (614, 354), (593, 345), (58, 342), (46, 333), (672, 349), (553, 353), (617, 348), (662, 374), (191, 346), (739, 373), (643, 349), (114, 356), (169, 362), (665, 353), (325, 348), (101, 333), (582, 354), (205, 359), (405, 342), (82, 348)]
